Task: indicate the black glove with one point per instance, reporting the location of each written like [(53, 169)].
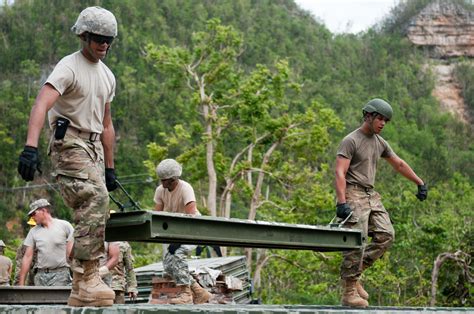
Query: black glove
[(422, 192), (343, 210), (110, 179), (29, 162), (173, 247)]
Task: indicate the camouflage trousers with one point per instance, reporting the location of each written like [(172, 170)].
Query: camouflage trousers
[(79, 169), (177, 267), (61, 277), (370, 216)]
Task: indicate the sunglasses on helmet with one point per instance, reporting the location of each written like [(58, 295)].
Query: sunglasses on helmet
[(101, 39)]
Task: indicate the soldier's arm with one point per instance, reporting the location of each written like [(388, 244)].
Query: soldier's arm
[(190, 208), (44, 101), (113, 257), (108, 137), (159, 207), (403, 168), (25, 265), (342, 165)]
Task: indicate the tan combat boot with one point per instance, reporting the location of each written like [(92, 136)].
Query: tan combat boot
[(74, 296), (184, 296), (350, 297), (200, 295), (361, 291), (92, 290)]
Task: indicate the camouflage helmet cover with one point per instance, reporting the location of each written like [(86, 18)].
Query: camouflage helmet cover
[(41, 203), (96, 20), (168, 168), (379, 106)]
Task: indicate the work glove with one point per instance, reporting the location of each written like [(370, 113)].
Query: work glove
[(422, 192), (28, 163), (343, 210), (110, 179), (173, 247), (103, 271)]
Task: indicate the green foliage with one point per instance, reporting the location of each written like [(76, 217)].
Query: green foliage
[(275, 77)]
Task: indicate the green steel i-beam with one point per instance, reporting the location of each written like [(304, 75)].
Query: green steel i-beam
[(162, 227)]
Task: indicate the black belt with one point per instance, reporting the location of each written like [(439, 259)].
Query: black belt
[(51, 270)]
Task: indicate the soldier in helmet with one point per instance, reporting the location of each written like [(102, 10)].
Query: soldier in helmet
[(77, 97), (5, 267), (177, 196), (356, 164)]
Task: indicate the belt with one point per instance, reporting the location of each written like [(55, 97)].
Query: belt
[(90, 136), (51, 270), (359, 187)]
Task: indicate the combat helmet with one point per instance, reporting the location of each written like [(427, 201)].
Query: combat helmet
[(379, 106), (168, 168), (96, 20)]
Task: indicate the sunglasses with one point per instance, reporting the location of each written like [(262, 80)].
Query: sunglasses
[(101, 39)]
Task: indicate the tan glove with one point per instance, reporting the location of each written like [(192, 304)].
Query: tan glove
[(103, 271)]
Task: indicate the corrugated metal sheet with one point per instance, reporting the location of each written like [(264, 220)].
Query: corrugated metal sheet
[(231, 265)]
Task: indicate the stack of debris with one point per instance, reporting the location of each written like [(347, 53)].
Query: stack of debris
[(220, 286), (227, 278)]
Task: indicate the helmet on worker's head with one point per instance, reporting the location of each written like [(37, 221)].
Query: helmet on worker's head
[(168, 168), (41, 203), (96, 20), (2, 244), (379, 106)]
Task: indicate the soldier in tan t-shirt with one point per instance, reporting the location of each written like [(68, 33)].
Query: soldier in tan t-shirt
[(357, 201), (76, 98), (5, 267), (177, 196)]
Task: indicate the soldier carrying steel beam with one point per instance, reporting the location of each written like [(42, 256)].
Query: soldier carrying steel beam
[(355, 175), (177, 196)]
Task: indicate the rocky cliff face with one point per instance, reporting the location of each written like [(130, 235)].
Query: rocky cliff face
[(447, 29)]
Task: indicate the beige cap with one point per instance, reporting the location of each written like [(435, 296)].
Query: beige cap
[(2, 243), (38, 204)]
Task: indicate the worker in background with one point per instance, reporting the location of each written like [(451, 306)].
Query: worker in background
[(20, 252), (77, 97), (124, 280), (357, 200), (53, 238), (5, 266), (177, 196), (108, 261)]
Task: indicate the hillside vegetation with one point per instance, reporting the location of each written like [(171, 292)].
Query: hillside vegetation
[(281, 91)]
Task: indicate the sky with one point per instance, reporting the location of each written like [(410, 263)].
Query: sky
[(348, 16)]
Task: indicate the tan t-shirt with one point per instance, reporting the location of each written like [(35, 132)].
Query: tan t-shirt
[(176, 200), (51, 243), (85, 88), (5, 265), (364, 151)]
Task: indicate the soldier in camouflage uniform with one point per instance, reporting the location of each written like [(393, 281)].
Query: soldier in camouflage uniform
[(5, 267), (175, 195), (356, 199), (124, 280), (77, 97)]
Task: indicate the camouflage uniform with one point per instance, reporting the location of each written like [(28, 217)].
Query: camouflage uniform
[(79, 167), (123, 275), (58, 277), (370, 216), (177, 267)]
